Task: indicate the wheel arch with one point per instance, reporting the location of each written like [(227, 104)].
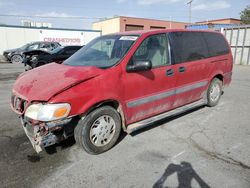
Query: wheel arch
[(219, 76), (113, 103), (16, 54)]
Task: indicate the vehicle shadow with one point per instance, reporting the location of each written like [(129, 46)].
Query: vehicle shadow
[(69, 142), (165, 120), (185, 175), (51, 150), (65, 144)]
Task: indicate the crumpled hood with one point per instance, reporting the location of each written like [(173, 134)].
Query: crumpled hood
[(42, 83)]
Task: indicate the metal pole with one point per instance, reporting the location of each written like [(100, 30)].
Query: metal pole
[(190, 10)]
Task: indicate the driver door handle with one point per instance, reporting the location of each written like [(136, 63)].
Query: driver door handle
[(170, 72)]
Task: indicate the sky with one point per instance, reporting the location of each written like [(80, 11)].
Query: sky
[(80, 14)]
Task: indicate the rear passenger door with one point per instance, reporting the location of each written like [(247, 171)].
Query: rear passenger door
[(189, 54)]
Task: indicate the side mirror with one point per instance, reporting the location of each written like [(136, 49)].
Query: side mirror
[(139, 66)]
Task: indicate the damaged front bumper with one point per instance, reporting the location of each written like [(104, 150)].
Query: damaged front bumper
[(43, 134)]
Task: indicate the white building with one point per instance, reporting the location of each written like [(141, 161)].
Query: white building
[(17, 36)]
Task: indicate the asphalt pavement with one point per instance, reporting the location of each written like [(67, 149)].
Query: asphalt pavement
[(206, 147)]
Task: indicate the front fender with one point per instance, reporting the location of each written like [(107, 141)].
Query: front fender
[(90, 93)]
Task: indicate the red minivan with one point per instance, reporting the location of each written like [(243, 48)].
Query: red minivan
[(123, 81)]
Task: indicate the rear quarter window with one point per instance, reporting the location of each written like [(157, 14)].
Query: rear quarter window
[(216, 43), (188, 46)]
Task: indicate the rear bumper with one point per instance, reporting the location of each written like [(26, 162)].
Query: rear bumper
[(43, 135)]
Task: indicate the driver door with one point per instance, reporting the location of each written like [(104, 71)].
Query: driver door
[(150, 92)]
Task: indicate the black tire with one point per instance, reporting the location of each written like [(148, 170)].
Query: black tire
[(83, 133), (213, 100)]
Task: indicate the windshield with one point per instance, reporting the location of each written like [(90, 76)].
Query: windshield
[(102, 52), (24, 47)]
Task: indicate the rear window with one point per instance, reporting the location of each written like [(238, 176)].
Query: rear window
[(217, 45), (188, 46)]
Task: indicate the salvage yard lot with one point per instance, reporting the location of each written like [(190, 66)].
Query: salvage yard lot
[(207, 147)]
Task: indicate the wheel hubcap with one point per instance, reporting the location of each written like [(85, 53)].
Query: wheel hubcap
[(215, 92), (102, 130), (17, 59)]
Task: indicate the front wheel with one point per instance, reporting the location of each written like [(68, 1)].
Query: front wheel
[(214, 92), (16, 59), (99, 130)]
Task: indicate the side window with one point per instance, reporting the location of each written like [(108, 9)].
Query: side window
[(188, 46), (154, 49), (216, 44), (53, 46), (45, 46), (33, 47)]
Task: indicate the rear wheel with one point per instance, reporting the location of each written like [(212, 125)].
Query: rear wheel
[(99, 130), (214, 92)]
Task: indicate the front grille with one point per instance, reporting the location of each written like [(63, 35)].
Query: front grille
[(18, 104)]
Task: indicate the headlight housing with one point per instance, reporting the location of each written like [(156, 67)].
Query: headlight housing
[(47, 112), (9, 54)]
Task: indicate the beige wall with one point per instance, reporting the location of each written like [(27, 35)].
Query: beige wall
[(221, 21), (227, 22), (147, 23), (107, 26), (118, 24)]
